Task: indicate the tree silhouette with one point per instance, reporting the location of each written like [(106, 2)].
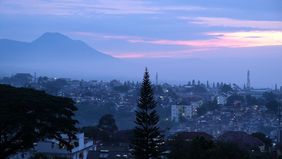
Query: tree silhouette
[(107, 123), (147, 142), (27, 116), (201, 148)]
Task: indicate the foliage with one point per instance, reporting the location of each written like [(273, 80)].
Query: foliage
[(90, 114), (199, 89), (53, 87), (269, 96), (200, 148), (233, 98), (96, 134), (19, 79), (266, 140), (123, 136), (122, 88), (147, 142), (60, 157), (38, 156), (89, 131), (251, 100), (273, 106), (42, 156), (226, 88), (104, 130), (225, 150), (28, 116), (271, 102), (207, 106), (107, 124)]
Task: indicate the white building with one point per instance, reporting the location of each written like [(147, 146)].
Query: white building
[(52, 148), (22, 155), (221, 100), (196, 104), (181, 111)]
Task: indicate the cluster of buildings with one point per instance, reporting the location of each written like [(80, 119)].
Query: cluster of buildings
[(180, 103), (182, 112), (251, 119)]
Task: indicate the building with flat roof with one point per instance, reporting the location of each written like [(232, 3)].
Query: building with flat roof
[(52, 148), (179, 112)]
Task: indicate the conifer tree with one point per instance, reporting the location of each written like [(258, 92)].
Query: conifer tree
[(147, 142)]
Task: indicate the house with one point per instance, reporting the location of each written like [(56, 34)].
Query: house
[(195, 105), (179, 112), (221, 100), (188, 136), (22, 155), (110, 152), (243, 140), (117, 147), (52, 148)]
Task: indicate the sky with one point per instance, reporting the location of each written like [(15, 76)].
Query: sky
[(151, 29)]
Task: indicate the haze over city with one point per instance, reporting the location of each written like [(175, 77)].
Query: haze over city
[(181, 40), (140, 79)]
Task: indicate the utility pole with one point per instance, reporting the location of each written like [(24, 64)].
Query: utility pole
[(34, 78), (279, 132), (157, 79), (248, 80)]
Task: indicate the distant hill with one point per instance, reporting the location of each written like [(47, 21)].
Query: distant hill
[(54, 54), (49, 47)]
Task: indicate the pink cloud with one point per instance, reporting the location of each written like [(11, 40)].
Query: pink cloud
[(157, 54), (127, 55), (229, 22), (237, 39), (218, 40), (249, 38)]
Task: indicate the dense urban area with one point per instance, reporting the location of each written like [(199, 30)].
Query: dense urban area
[(209, 109)]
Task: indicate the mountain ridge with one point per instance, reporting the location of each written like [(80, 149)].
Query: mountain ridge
[(52, 46)]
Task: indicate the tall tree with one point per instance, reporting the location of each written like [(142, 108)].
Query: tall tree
[(147, 142), (28, 116)]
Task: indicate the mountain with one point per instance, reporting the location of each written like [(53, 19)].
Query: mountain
[(50, 47), (54, 54)]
